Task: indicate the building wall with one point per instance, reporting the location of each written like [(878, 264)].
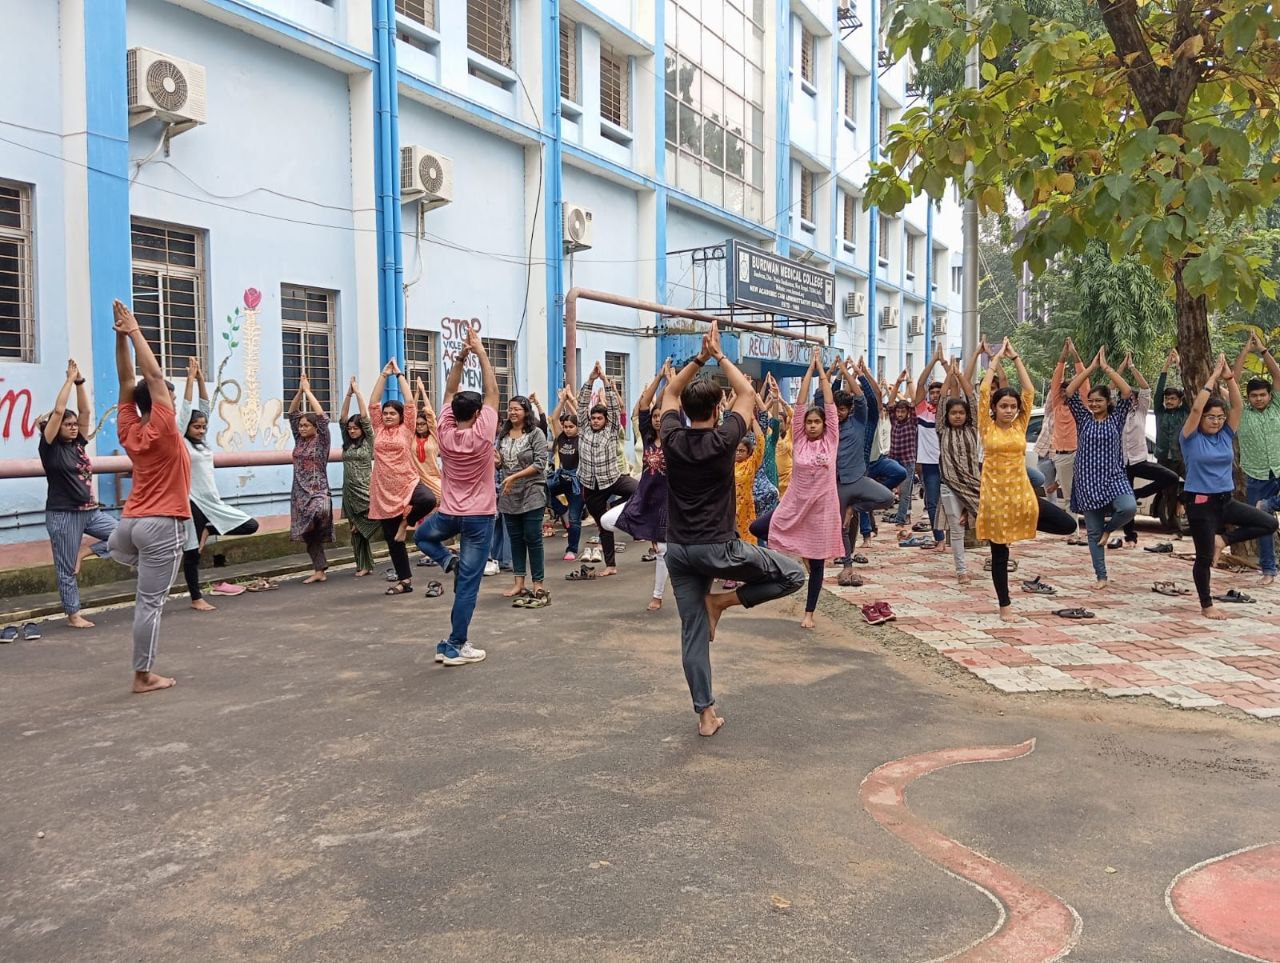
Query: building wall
[(282, 184)]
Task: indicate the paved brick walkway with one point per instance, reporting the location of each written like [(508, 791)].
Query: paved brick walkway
[(1141, 643)]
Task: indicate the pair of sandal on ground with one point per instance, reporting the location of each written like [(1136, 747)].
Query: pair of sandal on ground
[(30, 632), (526, 599)]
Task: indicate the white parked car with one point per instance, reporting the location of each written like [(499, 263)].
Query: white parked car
[(1153, 505)]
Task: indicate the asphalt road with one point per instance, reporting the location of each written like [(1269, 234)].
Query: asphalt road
[(315, 788)]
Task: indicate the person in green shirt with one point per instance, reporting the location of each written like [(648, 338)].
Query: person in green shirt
[(1260, 445)]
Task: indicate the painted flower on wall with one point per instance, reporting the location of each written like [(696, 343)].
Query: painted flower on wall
[(252, 298)]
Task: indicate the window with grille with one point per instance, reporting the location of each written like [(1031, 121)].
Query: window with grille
[(489, 29), (307, 341), (957, 278), (568, 60), (420, 360), (884, 126), (168, 292), (808, 55), (17, 273), (850, 233), (615, 92), (850, 96), (882, 242), (615, 368), (806, 195), (502, 356), (911, 254), (419, 11)]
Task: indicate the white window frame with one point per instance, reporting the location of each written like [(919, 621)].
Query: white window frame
[(22, 289), (910, 266), (808, 191), (849, 108), (489, 30), (882, 242), (172, 362), (502, 357), (570, 82), (957, 278), (615, 64), (616, 364), (422, 359), (849, 222), (420, 12), (808, 60), (303, 327)]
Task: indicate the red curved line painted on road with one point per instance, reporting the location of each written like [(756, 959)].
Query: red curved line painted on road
[(1038, 926), (1233, 901)]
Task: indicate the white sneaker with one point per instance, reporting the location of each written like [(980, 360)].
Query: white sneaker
[(463, 656), (491, 567)]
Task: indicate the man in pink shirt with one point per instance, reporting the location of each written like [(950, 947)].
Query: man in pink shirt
[(468, 498), (1063, 450)]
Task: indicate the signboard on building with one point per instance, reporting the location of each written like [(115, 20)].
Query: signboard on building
[(763, 347), (765, 282)]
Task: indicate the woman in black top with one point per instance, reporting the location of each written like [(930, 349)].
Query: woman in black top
[(563, 490), (70, 510)]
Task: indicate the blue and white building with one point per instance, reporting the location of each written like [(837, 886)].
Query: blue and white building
[(283, 185)]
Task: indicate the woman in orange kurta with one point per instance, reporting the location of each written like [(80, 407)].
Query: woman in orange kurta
[(1008, 509), (396, 493)]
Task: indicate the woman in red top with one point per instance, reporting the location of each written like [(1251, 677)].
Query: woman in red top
[(152, 531), (397, 497)]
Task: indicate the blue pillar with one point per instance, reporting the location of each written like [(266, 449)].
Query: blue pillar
[(660, 175), (553, 191), (782, 102), (386, 142), (873, 214), (107, 147)]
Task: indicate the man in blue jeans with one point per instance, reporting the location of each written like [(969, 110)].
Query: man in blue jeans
[(468, 499)]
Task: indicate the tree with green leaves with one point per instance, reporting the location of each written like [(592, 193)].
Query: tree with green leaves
[(1138, 136)]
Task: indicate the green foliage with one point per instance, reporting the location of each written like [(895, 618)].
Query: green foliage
[(1138, 137)]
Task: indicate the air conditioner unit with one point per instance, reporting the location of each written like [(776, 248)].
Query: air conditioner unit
[(888, 317), (894, 317), (166, 87), (939, 324), (425, 176), (916, 328), (577, 228), (855, 304)]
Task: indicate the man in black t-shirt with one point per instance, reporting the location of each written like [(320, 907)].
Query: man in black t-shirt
[(702, 541)]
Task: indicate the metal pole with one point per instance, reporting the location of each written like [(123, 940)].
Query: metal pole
[(969, 297)]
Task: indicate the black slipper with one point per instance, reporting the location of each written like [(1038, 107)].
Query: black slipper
[(1234, 595), (399, 589), (1164, 548), (1073, 613)]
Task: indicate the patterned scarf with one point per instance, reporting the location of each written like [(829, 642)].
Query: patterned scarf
[(961, 470)]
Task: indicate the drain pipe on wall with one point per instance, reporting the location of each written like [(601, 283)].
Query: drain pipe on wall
[(387, 176)]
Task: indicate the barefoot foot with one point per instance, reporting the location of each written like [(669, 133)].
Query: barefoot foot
[(361, 573), (708, 722), (654, 605), (200, 605), (807, 622), (611, 570), (516, 588), (964, 578), (1219, 546), (716, 604), (1006, 614), (150, 682), (315, 577), (1214, 614), (1101, 584), (78, 621)]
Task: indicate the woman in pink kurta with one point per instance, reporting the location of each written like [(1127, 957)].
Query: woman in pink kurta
[(807, 520), (397, 497)]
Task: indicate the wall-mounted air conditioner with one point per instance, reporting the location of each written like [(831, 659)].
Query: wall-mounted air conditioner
[(425, 176), (855, 304), (165, 87), (577, 228)]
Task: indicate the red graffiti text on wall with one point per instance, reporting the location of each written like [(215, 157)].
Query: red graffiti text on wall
[(9, 404)]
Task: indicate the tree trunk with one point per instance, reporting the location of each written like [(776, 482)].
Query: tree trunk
[(1194, 347)]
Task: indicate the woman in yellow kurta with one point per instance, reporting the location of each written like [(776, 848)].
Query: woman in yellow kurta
[(1008, 509), (749, 456), (783, 453)]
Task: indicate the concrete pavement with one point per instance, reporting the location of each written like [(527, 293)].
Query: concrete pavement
[(316, 788)]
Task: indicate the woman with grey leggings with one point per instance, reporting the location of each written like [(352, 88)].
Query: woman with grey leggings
[(152, 531)]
